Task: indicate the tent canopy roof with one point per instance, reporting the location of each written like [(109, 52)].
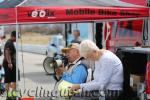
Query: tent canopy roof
[(14, 3), (37, 11), (9, 3), (78, 3)]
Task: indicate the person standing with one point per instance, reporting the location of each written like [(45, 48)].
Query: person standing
[(76, 35), (9, 63)]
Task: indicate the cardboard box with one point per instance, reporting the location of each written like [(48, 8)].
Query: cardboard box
[(136, 79)]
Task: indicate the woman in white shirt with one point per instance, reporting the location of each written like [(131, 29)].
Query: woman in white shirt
[(108, 72)]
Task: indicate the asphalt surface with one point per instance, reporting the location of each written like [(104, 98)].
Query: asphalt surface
[(32, 48), (34, 81), (33, 77)]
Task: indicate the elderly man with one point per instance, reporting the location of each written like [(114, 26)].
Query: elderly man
[(108, 73), (76, 71)]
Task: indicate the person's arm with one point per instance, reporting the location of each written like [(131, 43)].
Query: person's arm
[(59, 72), (78, 75), (103, 75), (8, 58)]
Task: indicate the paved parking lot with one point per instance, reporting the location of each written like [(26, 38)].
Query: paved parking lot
[(34, 81)]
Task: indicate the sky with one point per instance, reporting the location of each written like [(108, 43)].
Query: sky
[(1, 0)]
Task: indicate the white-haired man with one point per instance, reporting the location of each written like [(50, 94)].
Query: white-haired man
[(76, 71), (108, 72)]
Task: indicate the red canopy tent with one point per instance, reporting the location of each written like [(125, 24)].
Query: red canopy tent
[(36, 14), (70, 14), (52, 11), (75, 13), (7, 16)]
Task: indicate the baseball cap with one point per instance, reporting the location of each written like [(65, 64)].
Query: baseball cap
[(71, 46)]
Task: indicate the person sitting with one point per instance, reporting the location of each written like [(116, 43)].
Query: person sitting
[(76, 71)]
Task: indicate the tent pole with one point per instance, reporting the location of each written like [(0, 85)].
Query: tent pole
[(22, 3), (17, 62), (17, 54), (17, 51)]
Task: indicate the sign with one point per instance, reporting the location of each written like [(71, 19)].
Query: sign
[(69, 14), (44, 14)]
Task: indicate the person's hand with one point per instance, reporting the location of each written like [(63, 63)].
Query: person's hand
[(59, 71), (10, 65), (75, 87)]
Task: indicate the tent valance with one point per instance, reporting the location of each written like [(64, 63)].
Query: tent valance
[(71, 14), (38, 14), (7, 16)]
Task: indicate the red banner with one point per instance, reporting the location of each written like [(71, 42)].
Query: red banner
[(148, 78), (7, 16), (69, 14), (129, 33)]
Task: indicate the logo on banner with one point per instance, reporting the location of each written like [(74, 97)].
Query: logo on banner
[(4, 16), (41, 13)]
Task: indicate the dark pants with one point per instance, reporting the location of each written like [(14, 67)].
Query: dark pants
[(109, 95), (94, 98)]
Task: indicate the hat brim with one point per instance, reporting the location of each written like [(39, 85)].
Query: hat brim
[(65, 50)]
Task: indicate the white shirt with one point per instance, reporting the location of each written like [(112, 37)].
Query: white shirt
[(108, 73)]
